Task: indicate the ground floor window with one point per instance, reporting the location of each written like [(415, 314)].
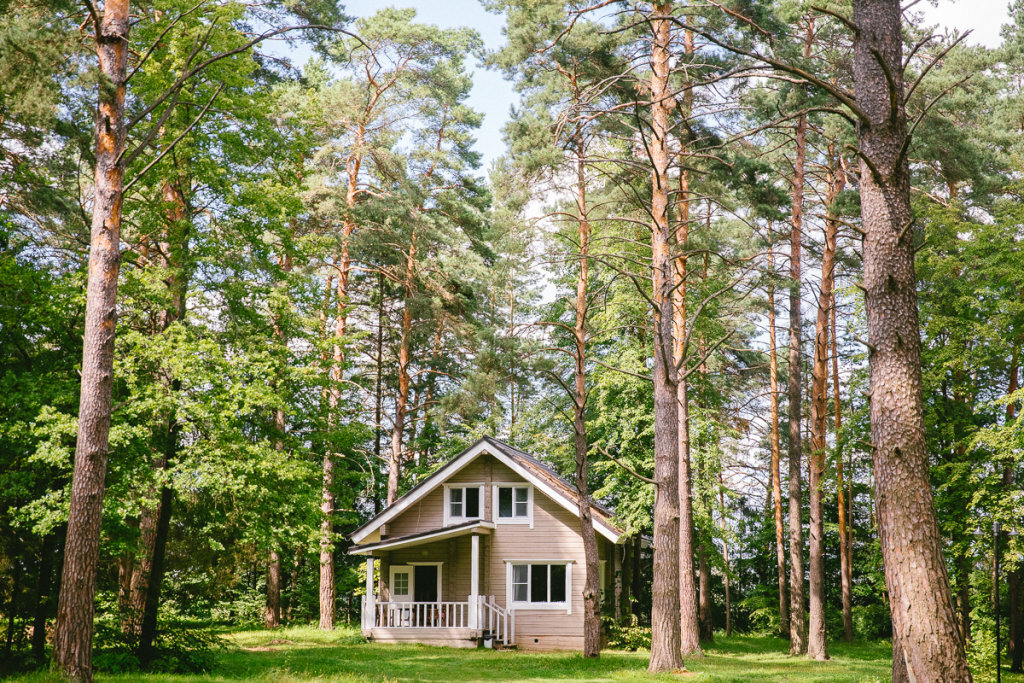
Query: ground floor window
[(540, 585)]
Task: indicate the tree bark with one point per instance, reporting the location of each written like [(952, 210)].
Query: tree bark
[(725, 557), (923, 616), (689, 604), (272, 613), (147, 630), (404, 380), (845, 530), (666, 654), (780, 543), (627, 597), (706, 602), (817, 647), (797, 623), (73, 634), (592, 582)]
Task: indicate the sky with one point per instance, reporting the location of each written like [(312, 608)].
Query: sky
[(493, 97)]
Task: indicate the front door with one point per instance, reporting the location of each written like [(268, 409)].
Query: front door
[(401, 583), (426, 583)]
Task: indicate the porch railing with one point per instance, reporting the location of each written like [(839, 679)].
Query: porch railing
[(500, 622), (419, 614), (490, 617)]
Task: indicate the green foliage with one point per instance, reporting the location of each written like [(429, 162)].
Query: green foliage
[(630, 636)]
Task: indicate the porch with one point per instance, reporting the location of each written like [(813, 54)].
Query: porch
[(430, 589)]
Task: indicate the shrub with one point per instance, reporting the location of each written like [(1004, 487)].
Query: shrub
[(177, 649), (629, 636)]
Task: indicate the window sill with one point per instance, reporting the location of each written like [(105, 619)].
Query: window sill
[(542, 607)]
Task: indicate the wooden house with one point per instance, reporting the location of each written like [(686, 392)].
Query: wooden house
[(487, 548)]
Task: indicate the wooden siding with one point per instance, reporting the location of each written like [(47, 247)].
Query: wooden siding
[(555, 536)]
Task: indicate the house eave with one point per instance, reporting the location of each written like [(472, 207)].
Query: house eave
[(412, 540)]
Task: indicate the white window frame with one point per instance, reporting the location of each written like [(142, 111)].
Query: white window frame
[(522, 605), (448, 519), (410, 569), (528, 519), (401, 569)]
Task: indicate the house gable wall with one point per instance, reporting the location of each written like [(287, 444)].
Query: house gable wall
[(555, 536)]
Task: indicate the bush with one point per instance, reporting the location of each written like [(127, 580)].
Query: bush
[(629, 636), (981, 653), (177, 649), (872, 622), (762, 610)]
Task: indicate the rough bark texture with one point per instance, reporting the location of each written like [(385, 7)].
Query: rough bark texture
[(690, 634), (147, 630), (780, 542), (627, 582), (665, 641), (725, 557), (272, 611), (797, 622), (845, 530), (706, 602), (592, 581), (924, 620), (816, 638), (689, 614), (72, 650)]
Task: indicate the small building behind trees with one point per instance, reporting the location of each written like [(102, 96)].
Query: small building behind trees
[(488, 547)]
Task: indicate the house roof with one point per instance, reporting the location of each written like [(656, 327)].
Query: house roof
[(522, 463), (477, 526)]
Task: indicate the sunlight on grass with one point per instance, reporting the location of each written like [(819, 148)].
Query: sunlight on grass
[(305, 653)]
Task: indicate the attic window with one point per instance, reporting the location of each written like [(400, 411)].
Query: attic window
[(463, 503), (514, 504)]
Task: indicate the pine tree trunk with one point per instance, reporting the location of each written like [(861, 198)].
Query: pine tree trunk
[(797, 623), (845, 530), (143, 569), (125, 574), (706, 602), (272, 613), (963, 601), (816, 642), (147, 630), (72, 652), (665, 633), (924, 620), (780, 543), (592, 581), (725, 557)]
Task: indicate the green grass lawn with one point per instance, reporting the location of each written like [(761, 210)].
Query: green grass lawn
[(306, 654)]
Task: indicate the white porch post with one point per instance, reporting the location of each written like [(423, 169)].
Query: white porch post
[(474, 583), (370, 614)]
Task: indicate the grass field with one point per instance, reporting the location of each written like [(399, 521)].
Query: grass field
[(306, 654)]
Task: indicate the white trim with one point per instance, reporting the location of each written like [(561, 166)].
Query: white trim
[(470, 454), (481, 527), (529, 503), (401, 569), (411, 566), (570, 505), (406, 502), (526, 605), (451, 521)]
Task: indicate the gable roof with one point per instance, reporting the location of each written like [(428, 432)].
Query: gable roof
[(522, 463)]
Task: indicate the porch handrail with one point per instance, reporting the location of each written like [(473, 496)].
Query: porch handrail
[(498, 621), (439, 614)]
